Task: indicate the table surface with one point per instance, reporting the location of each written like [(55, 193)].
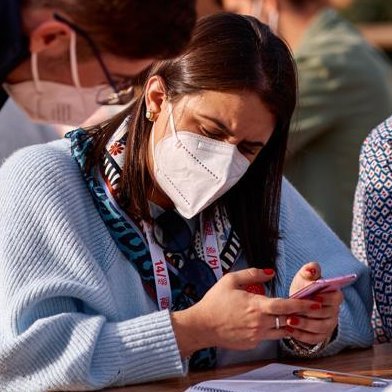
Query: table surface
[(376, 361)]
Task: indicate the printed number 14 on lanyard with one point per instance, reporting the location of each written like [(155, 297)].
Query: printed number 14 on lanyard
[(161, 273)]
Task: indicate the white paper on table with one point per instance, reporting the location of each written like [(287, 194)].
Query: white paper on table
[(277, 378)]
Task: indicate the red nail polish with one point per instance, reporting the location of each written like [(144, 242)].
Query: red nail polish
[(315, 306), (312, 271), (293, 320), (256, 288), (318, 298), (289, 329), (268, 271)]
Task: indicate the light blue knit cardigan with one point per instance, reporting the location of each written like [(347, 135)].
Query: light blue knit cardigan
[(73, 312)]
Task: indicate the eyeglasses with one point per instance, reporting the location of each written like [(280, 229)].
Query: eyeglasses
[(173, 234), (117, 93)]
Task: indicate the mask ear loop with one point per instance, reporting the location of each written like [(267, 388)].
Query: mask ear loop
[(34, 72), (153, 143), (172, 127), (73, 60), (177, 142)]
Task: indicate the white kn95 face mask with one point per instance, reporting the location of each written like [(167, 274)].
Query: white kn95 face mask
[(52, 102), (194, 170)]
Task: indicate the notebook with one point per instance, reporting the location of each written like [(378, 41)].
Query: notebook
[(277, 378)]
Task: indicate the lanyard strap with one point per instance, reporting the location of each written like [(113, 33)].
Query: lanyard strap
[(161, 273), (210, 247)]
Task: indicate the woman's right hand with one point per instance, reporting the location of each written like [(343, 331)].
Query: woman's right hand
[(230, 317)]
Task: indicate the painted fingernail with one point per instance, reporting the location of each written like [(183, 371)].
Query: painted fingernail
[(315, 306), (289, 329), (318, 298), (268, 271), (312, 271), (293, 320)]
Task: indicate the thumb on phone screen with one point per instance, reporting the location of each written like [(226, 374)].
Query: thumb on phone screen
[(306, 275)]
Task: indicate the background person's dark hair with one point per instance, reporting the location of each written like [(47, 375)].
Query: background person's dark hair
[(303, 5), (135, 29), (228, 52)]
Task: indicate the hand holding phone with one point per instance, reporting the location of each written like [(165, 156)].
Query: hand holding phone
[(324, 285)]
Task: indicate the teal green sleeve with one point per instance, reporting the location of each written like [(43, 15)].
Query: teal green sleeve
[(316, 111)]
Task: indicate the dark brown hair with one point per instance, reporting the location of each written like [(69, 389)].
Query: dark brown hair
[(228, 52), (130, 28)]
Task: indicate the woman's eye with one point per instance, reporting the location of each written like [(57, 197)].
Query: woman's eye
[(211, 134), (247, 150)]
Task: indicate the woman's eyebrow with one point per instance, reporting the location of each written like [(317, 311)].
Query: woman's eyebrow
[(228, 131)]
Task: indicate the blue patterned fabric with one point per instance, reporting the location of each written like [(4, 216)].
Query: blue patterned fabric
[(132, 245), (372, 227)]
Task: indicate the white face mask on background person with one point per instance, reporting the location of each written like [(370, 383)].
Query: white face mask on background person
[(52, 102), (194, 170)]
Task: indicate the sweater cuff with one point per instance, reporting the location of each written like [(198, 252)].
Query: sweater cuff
[(146, 349), (348, 335)]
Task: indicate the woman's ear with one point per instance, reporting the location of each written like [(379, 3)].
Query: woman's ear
[(155, 95), (50, 36)]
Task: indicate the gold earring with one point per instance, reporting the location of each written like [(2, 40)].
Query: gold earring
[(150, 115)]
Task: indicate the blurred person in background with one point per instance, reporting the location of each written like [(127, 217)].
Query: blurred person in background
[(371, 240), (60, 60), (340, 4), (208, 7), (345, 89), (366, 11)]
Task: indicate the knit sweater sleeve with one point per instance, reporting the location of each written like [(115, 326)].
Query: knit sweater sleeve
[(305, 238), (58, 325)]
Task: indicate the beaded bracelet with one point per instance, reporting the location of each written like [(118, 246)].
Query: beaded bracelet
[(305, 350)]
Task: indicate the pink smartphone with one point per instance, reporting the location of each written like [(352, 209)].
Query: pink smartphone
[(324, 285)]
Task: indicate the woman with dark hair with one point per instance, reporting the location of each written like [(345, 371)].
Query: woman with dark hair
[(164, 237)]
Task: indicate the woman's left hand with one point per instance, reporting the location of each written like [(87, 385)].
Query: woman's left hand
[(318, 324)]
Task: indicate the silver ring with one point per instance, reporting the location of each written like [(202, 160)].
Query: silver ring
[(277, 322)]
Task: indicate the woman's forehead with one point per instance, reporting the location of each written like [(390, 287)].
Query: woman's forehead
[(239, 112), (234, 106)]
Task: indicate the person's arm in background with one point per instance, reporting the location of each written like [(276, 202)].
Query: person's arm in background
[(305, 238), (372, 230), (18, 131), (315, 112)]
